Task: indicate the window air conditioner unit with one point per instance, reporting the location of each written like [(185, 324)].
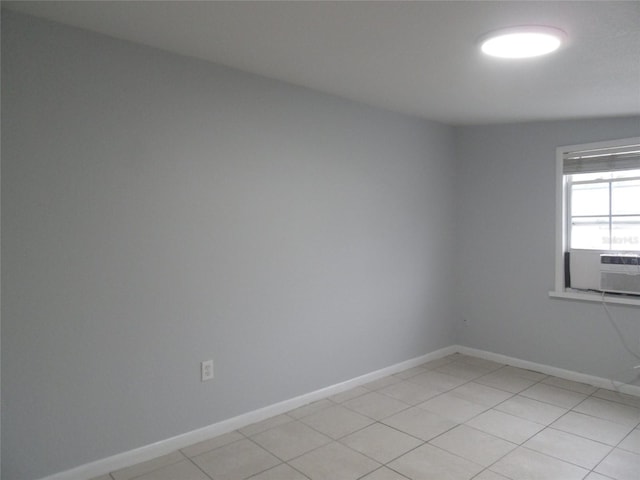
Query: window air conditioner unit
[(620, 273)]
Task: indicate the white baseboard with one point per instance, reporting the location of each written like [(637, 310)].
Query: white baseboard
[(163, 447), (557, 372)]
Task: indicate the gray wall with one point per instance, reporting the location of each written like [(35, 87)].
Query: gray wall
[(505, 251), (159, 210)]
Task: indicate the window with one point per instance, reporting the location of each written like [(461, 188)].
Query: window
[(604, 210), (598, 210)]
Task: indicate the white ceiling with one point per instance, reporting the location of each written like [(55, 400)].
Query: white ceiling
[(418, 58)]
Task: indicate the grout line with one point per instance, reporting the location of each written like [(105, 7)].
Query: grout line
[(198, 467)]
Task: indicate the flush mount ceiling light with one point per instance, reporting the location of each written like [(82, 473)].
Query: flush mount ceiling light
[(522, 42)]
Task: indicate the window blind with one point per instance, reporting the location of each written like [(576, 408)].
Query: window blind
[(626, 157)]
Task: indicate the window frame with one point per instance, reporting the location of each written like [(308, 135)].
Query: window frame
[(562, 226)]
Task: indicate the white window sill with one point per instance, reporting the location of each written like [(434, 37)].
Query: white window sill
[(596, 297)]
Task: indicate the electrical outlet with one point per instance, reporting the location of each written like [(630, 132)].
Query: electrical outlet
[(206, 370)]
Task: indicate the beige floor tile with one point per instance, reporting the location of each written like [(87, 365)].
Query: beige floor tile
[(568, 447), (348, 395), (265, 424), (382, 382), (380, 442), (434, 379), (631, 400), (236, 461), (505, 426), (411, 372), (337, 421), (334, 461), (505, 380), (489, 365), (384, 474), (489, 475), (375, 405), (281, 472), (525, 464), (631, 443), (554, 395), (612, 411), (474, 445), (530, 409), (570, 385), (431, 463), (593, 428), (290, 440), (146, 467), (453, 407), (410, 393), (419, 423), (596, 476), (184, 470), (524, 373), (621, 465), (481, 394), (466, 371), (433, 364), (207, 445)]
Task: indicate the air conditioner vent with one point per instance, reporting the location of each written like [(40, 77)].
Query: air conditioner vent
[(620, 273)]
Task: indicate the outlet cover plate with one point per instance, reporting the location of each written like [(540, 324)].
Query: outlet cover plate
[(206, 370)]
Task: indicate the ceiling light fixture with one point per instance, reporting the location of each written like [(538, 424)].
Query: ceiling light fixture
[(522, 42)]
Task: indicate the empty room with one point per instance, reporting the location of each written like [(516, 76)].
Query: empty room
[(320, 240)]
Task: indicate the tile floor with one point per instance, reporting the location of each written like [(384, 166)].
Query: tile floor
[(456, 418)]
